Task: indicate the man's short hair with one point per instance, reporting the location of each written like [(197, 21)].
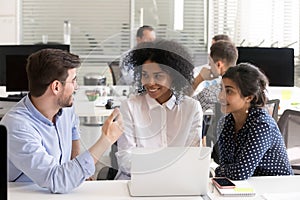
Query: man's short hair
[(224, 50), (47, 65), (140, 31), (221, 37)]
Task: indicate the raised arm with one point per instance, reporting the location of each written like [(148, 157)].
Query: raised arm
[(111, 131)]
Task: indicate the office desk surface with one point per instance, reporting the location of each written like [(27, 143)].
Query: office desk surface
[(89, 190), (279, 187)]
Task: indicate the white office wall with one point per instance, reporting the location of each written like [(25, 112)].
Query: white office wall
[(8, 21)]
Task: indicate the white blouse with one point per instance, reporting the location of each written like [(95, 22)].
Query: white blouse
[(150, 124)]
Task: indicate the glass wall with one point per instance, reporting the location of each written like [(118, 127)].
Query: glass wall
[(102, 30)]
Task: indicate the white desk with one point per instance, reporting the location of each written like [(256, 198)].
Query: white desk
[(289, 97), (85, 108), (89, 190), (89, 109), (5, 107), (279, 187)]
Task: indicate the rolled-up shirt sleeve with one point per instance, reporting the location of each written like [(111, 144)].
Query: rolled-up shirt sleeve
[(75, 129)]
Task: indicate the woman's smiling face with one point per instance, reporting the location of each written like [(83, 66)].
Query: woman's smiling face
[(231, 99), (156, 81)]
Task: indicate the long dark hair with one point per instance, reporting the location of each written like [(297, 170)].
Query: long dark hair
[(251, 81)]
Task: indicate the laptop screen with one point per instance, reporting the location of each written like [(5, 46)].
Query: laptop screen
[(170, 171)]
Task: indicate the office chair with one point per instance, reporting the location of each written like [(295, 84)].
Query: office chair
[(212, 135), (109, 173), (115, 71), (272, 107), (289, 125), (3, 166)]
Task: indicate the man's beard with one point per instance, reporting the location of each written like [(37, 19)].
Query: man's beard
[(63, 102)]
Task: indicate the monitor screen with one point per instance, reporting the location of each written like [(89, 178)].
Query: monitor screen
[(13, 60), (276, 63)]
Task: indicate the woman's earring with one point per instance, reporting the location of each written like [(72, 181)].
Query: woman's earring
[(247, 111)]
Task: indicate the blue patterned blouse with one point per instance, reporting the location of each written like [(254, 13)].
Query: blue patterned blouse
[(257, 149)]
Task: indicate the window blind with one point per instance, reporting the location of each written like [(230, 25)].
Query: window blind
[(267, 23), (162, 16), (99, 29)]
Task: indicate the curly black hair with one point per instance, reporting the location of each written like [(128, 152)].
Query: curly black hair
[(172, 58)]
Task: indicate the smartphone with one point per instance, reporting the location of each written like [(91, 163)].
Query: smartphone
[(223, 182)]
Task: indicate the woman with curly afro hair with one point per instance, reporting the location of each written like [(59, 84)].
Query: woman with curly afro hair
[(161, 114)]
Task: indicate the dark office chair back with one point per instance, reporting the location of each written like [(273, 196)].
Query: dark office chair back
[(212, 134), (3, 166), (272, 107), (115, 71), (289, 125), (109, 173)]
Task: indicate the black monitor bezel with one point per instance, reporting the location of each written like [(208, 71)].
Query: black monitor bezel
[(21, 50), (269, 60)]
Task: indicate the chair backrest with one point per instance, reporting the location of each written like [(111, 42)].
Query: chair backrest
[(115, 71), (212, 134), (289, 125), (3, 166), (272, 107)]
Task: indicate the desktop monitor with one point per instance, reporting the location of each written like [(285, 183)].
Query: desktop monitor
[(276, 63), (13, 60)]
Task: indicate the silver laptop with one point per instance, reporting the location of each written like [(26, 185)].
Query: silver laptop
[(171, 171)]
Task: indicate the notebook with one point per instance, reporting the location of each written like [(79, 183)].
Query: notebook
[(170, 171), (242, 188)]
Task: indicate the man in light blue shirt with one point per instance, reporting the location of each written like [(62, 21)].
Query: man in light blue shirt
[(43, 131)]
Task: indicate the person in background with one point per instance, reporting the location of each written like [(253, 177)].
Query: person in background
[(223, 55), (42, 127), (162, 114), (220, 37), (250, 141), (144, 34), (203, 73)]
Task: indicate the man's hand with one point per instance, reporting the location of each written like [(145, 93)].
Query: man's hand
[(113, 126), (207, 74), (111, 131)]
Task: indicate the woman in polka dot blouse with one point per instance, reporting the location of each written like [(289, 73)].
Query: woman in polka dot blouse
[(250, 142)]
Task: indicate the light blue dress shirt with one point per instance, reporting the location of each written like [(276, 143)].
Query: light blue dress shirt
[(40, 150)]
